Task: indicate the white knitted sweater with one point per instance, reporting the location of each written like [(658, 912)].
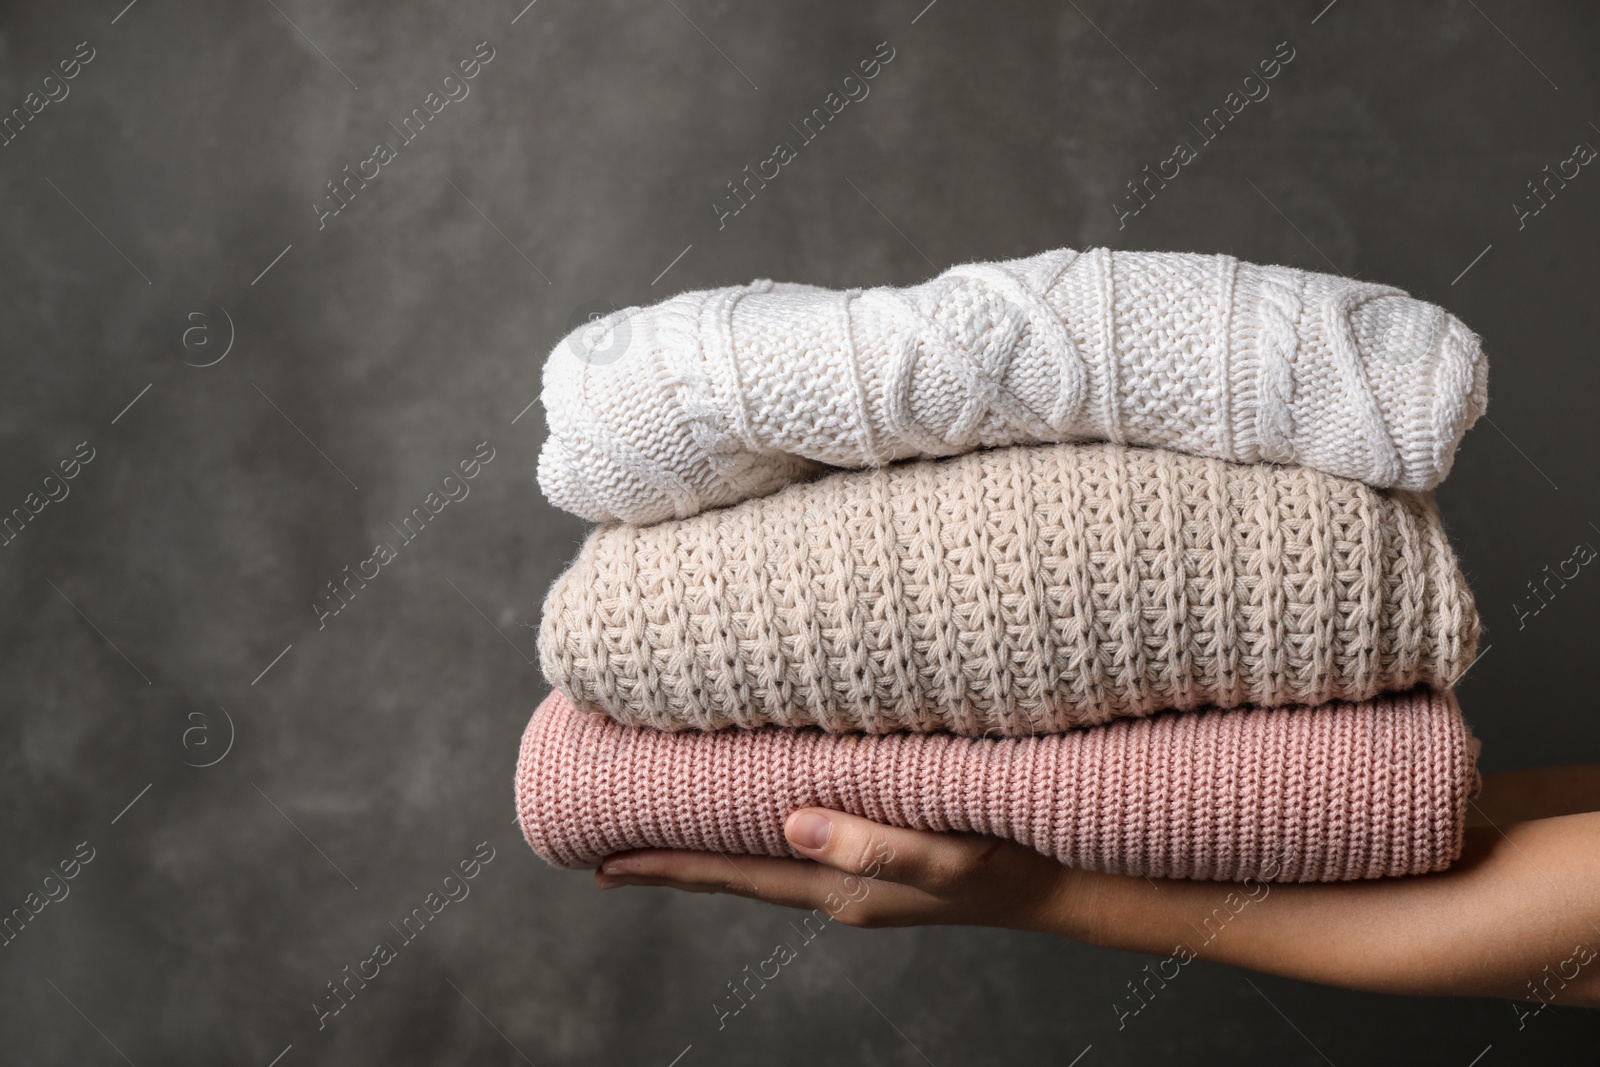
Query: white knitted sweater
[(714, 397)]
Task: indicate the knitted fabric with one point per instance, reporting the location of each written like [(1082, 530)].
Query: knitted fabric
[(714, 397), (1335, 792), (1012, 591)]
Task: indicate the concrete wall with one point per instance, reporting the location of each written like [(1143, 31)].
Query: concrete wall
[(162, 208)]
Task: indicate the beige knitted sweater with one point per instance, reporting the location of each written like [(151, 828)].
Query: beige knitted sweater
[(1014, 591)]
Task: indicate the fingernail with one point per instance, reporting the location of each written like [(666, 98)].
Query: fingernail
[(809, 830), (615, 867)]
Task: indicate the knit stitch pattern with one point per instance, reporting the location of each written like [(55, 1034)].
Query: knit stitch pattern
[(1330, 793), (717, 396), (1012, 591)]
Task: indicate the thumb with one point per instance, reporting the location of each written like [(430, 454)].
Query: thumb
[(933, 862)]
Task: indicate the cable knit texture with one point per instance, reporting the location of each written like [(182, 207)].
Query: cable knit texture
[(714, 397), (1013, 591), (1335, 792)]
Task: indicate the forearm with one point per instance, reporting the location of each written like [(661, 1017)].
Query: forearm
[(1520, 907)]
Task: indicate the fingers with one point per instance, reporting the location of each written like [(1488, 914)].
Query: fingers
[(865, 874), (964, 878), (933, 862), (762, 877), (853, 899)]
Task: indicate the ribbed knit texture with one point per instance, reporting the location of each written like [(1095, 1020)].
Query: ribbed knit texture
[(1336, 792), (1013, 591), (713, 397)]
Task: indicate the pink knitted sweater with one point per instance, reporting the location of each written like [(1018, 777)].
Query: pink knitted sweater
[(1306, 794)]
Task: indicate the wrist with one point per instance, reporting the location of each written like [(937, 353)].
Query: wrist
[(1077, 906), (1121, 911)]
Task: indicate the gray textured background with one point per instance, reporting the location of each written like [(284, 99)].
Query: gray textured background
[(191, 548)]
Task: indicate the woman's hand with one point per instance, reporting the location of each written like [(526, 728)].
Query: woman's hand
[(1518, 915), (865, 874)]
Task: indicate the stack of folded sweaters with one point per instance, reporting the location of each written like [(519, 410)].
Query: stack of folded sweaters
[(1159, 588)]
